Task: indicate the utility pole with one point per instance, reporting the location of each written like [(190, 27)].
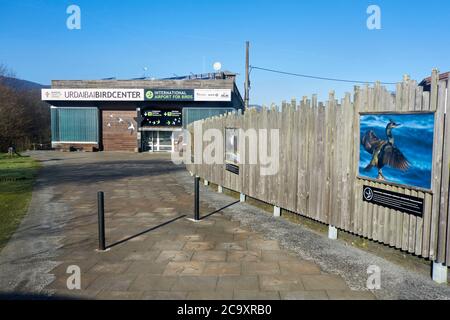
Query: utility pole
[(247, 74)]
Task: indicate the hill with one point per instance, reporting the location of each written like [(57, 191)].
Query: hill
[(21, 85)]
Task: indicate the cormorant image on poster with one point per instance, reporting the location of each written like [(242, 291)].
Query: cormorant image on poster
[(397, 148)]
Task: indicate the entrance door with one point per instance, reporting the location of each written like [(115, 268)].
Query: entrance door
[(165, 141), (158, 141), (151, 141)]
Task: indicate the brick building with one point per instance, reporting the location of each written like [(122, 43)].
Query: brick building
[(135, 115)]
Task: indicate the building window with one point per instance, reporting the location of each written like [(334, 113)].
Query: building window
[(193, 114), (75, 124)]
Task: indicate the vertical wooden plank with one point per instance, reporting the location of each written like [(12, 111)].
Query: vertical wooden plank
[(404, 107), (347, 158), (437, 94), (339, 167), (327, 175), (302, 162), (419, 230), (447, 142), (312, 192), (426, 104), (445, 176), (412, 218), (332, 158), (367, 218), (358, 221), (320, 163), (419, 220), (378, 105), (412, 230), (398, 215), (293, 169)]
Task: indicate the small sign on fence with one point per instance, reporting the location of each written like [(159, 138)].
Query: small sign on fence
[(393, 200), (232, 155)]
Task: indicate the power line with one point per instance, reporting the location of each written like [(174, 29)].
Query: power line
[(316, 77)]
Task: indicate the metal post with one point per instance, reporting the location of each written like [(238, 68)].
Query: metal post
[(197, 198), (247, 75), (101, 221)]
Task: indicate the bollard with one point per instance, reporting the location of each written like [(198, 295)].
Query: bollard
[(332, 232), (197, 198), (276, 211), (101, 221)]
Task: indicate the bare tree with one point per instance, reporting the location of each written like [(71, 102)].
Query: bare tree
[(24, 119), (5, 71)]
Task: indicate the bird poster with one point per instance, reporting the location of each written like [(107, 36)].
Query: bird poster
[(397, 148)]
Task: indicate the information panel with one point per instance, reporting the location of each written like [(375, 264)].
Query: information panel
[(394, 200), (161, 118)]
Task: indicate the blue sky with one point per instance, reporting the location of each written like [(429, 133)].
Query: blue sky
[(324, 38)]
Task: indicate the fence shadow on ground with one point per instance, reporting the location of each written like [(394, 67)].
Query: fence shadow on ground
[(218, 210), (144, 232)]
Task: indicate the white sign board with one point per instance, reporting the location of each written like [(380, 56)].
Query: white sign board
[(212, 95), (92, 94)]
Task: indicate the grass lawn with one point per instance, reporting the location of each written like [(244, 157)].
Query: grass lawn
[(16, 182)]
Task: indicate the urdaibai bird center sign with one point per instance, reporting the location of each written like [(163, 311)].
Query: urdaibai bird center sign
[(220, 95)]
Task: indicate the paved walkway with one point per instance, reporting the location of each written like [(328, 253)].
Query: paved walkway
[(155, 252)]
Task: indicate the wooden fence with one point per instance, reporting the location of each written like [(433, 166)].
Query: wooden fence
[(319, 157)]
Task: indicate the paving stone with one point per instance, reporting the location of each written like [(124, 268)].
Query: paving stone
[(199, 245), (323, 282), (244, 256), (164, 295), (256, 295), (143, 255), (263, 245), (277, 255), (174, 255), (229, 246), (210, 295), (119, 295), (237, 230), (152, 283), (112, 282), (281, 283), (228, 283), (209, 255), (304, 295), (299, 267), (107, 267), (222, 268), (184, 268), (260, 268), (141, 267), (169, 245), (195, 283), (190, 237)]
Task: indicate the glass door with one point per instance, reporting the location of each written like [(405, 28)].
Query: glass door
[(165, 141), (150, 141)]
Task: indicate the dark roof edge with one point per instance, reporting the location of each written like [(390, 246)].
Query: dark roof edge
[(137, 84)]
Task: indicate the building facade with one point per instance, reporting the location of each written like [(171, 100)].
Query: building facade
[(137, 115)]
